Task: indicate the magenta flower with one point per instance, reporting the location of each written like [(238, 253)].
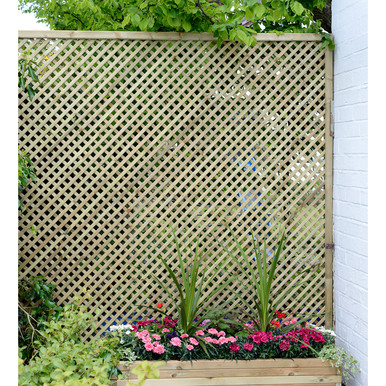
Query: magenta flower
[(284, 345), (234, 347), (248, 346)]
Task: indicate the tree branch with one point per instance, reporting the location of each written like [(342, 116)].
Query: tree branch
[(198, 4)]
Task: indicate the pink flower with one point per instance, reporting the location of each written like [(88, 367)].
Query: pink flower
[(234, 347), (231, 339), (189, 347), (208, 339), (184, 336), (200, 332), (176, 341), (145, 332), (284, 345), (213, 331), (165, 330), (292, 321), (193, 341), (156, 344), (215, 341), (146, 339), (159, 349), (221, 333), (149, 347), (222, 340), (248, 346), (156, 337)]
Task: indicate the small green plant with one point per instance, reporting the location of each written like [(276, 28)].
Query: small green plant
[(191, 293), (26, 174), (262, 308), (145, 370), (339, 358), (27, 75), (64, 359)]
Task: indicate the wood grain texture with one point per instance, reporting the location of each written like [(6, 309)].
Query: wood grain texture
[(256, 372)]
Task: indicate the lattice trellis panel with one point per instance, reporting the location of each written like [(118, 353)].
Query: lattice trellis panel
[(136, 135)]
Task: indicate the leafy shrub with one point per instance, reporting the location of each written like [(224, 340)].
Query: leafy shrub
[(64, 359), (339, 358), (36, 306)]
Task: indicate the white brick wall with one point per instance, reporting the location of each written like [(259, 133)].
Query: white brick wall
[(349, 24)]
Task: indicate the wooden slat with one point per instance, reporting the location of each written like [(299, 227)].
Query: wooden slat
[(137, 35)]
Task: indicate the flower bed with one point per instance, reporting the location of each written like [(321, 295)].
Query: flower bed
[(215, 357)]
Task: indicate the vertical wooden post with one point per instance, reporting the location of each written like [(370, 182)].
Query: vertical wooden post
[(329, 190)]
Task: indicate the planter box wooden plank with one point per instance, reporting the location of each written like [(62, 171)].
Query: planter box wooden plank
[(281, 372)]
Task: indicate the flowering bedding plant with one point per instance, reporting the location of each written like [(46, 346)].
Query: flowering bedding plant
[(163, 340)]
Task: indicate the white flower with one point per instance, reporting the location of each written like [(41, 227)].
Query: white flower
[(322, 329), (121, 327)]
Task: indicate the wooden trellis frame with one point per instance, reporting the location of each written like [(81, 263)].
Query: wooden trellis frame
[(133, 133)]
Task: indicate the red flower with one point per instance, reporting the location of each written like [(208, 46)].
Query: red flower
[(160, 305), (234, 347), (281, 315), (284, 345), (275, 323)]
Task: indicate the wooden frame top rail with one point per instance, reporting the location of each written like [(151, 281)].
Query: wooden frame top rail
[(138, 35)]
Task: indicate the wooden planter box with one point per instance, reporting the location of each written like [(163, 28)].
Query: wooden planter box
[(267, 372)]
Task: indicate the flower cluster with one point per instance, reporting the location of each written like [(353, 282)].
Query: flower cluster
[(151, 341), (122, 327)]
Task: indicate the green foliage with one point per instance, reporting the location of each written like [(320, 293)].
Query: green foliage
[(26, 173), (338, 357), (262, 308), (191, 293), (227, 19), (145, 370), (63, 359), (36, 306), (27, 75)]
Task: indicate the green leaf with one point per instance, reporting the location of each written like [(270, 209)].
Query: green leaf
[(259, 11), (31, 92), (186, 26), (297, 7)]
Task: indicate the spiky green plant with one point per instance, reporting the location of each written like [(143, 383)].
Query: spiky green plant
[(192, 294), (260, 282)]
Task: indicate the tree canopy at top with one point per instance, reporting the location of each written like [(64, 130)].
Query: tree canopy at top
[(226, 19)]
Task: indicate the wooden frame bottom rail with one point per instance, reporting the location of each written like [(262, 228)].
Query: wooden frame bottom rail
[(267, 372)]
